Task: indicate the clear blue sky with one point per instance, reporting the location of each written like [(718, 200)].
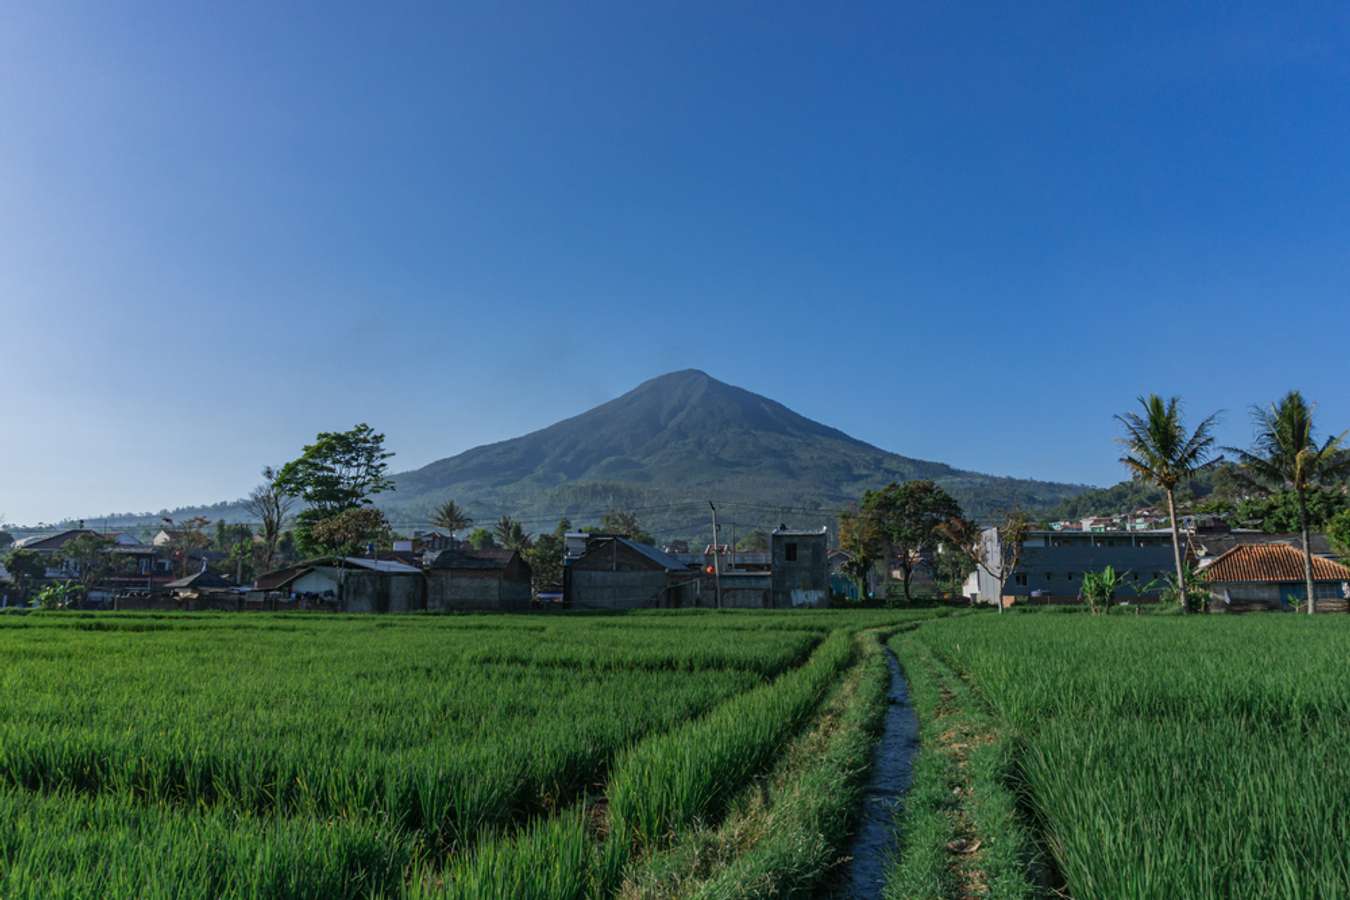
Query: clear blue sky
[(968, 235)]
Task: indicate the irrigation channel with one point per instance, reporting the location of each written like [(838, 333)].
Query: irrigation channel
[(892, 771)]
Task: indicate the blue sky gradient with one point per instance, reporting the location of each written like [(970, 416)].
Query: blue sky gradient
[(977, 233)]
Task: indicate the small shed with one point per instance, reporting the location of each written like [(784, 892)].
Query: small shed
[(1271, 576), (801, 573), (347, 584), (490, 579), (619, 573), (201, 590)]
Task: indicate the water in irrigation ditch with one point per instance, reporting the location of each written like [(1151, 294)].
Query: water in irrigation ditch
[(892, 772)]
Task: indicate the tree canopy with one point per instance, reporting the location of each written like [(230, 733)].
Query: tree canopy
[(340, 470)]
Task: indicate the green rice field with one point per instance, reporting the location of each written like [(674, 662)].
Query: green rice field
[(669, 754)]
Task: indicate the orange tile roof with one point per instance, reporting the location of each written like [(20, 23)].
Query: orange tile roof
[(1271, 562)]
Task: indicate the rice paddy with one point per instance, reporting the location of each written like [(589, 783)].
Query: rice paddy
[(667, 754)]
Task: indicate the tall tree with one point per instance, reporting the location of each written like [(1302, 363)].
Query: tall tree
[(185, 538), (480, 538), (860, 538), (348, 532), (89, 560), (546, 557), (26, 568), (908, 517), (998, 554), (271, 505), (1286, 455), (622, 521), (510, 534), (340, 470), (451, 516), (1159, 450)]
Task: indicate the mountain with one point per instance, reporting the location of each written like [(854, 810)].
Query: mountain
[(673, 443)]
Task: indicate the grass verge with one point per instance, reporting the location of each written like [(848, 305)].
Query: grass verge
[(960, 833), (783, 835)]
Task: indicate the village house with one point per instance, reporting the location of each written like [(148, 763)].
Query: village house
[(131, 564), (615, 572), (1269, 576), (341, 584), (491, 579), (1209, 546)]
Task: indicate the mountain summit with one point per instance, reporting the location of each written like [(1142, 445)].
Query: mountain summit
[(671, 444)]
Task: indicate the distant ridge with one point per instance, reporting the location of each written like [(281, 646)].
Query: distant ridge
[(676, 441), (663, 450)]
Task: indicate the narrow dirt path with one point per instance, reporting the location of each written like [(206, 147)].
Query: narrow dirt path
[(892, 771)]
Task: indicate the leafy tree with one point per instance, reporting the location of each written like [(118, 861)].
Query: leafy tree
[(951, 569), (339, 471), (546, 557), (625, 523), (1279, 512), (1159, 450), (5, 539), (1099, 589), (347, 533), (1286, 456), (271, 505), (450, 516), (907, 516), (481, 538), (756, 541), (27, 568), (88, 559), (509, 534), (860, 537), (1338, 529)]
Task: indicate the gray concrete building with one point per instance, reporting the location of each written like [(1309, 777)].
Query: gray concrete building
[(1053, 562), (800, 568)]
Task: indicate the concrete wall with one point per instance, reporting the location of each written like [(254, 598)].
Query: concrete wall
[(804, 581), (362, 590), (634, 589), (746, 591), (469, 589)]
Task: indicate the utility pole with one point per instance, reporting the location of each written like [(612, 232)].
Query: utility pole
[(717, 562)]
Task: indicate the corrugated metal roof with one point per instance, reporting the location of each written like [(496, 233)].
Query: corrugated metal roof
[(664, 560), (487, 559), (388, 566), (1271, 562)]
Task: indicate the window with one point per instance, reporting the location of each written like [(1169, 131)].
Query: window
[(1020, 578), (1049, 576), (790, 552), (1070, 576)]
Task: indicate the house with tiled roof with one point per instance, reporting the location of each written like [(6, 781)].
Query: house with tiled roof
[(1271, 576)]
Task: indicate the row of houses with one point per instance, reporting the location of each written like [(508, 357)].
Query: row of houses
[(609, 571), (438, 574), (1242, 570)]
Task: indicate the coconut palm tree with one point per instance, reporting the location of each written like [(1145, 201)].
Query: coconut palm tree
[(1160, 451), (450, 516), (1285, 456)]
